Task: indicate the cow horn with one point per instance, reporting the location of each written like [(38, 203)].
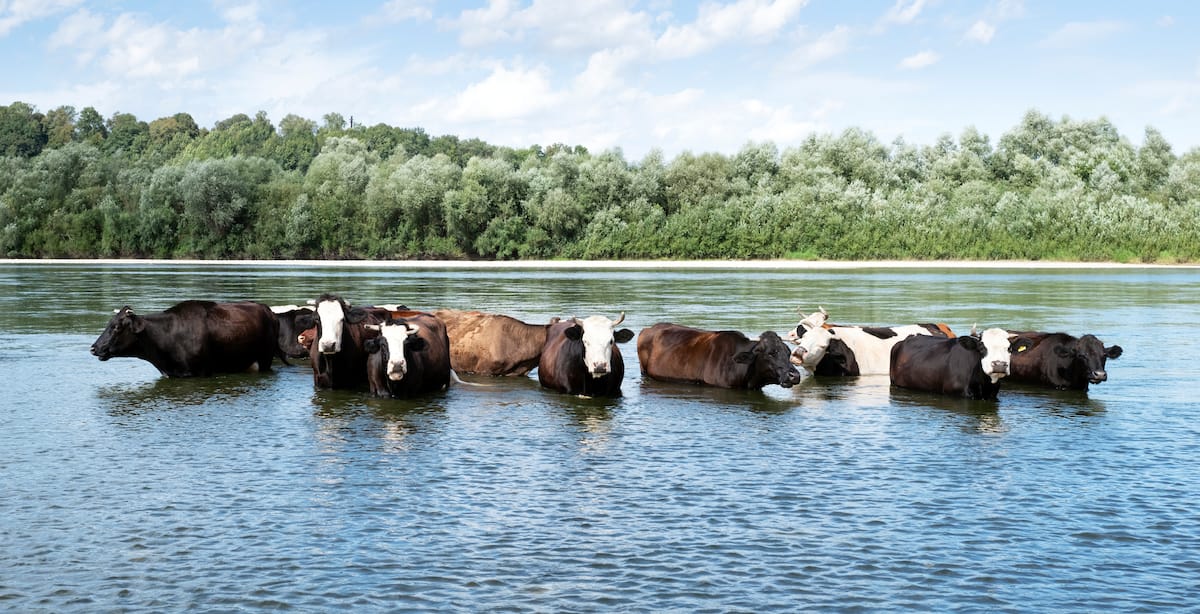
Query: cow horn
[(975, 329), (822, 310), (311, 301), (619, 320)]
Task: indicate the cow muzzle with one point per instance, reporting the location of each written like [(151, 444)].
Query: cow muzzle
[(598, 369), (328, 347), (999, 367), (396, 372), (1098, 376), (789, 379), (798, 356)]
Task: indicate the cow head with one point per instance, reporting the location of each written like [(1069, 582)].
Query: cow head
[(995, 347), (120, 334), (598, 335), (817, 319), (394, 338), (330, 316), (1089, 356), (769, 359), (812, 346)]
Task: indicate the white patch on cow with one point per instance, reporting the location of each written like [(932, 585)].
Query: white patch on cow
[(996, 362), (279, 309), (394, 335), (389, 306), (597, 344), (811, 348), (813, 320), (332, 318), (873, 355)]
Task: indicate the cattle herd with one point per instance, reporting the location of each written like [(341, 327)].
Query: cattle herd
[(394, 351)]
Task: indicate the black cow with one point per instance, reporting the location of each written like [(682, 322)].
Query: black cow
[(337, 355), (581, 357), (727, 359), (290, 345), (1062, 361), (194, 338), (411, 356), (969, 366)]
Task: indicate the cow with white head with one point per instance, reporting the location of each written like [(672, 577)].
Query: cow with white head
[(582, 357), (337, 355), (410, 356), (970, 366)]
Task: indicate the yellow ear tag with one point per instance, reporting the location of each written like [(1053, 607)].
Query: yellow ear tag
[(1022, 348)]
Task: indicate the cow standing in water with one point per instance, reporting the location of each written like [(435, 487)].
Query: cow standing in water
[(194, 338), (726, 359), (411, 356), (290, 335), (492, 344), (833, 349), (1061, 361), (969, 366), (337, 354), (581, 357)]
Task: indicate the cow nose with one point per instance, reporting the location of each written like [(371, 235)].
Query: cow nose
[(328, 347), (798, 356), (1099, 376), (599, 368), (999, 366)]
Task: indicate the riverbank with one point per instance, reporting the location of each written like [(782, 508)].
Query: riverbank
[(796, 265)]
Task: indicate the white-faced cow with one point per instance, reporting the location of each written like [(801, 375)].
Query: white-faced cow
[(337, 355), (194, 338), (969, 366), (727, 359), (832, 349), (1062, 361), (581, 357), (492, 344), (411, 356)]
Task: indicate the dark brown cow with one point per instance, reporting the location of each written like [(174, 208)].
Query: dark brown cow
[(727, 359), (411, 356), (337, 355), (290, 335), (581, 357), (1062, 361), (492, 344), (194, 338)]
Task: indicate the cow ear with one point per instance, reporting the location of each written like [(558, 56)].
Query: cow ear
[(574, 333), (743, 358), (623, 335), (136, 324), (969, 342), (356, 315), (306, 321), (372, 345), (416, 344), (1018, 345), (1114, 351)]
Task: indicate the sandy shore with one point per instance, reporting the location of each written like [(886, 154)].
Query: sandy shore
[(781, 265)]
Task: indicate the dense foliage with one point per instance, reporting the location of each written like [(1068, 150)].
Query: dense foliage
[(73, 184)]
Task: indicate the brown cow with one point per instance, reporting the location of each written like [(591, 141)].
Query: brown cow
[(727, 359), (492, 344), (581, 357), (411, 355)]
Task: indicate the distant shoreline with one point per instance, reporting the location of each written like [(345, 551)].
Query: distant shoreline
[(699, 265)]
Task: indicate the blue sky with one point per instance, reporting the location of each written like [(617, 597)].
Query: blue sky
[(708, 76)]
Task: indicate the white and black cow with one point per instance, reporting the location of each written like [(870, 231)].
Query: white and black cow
[(411, 356), (970, 366), (581, 357), (825, 349), (194, 338), (337, 354), (1062, 361)]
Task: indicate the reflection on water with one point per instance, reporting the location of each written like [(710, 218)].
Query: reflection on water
[(124, 490)]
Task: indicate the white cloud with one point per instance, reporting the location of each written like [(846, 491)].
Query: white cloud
[(920, 60), (504, 95), (827, 46), (1079, 33), (749, 21), (14, 13), (485, 26), (981, 32), (1166, 21), (406, 10), (904, 11)]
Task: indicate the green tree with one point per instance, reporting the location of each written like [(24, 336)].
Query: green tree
[(22, 132)]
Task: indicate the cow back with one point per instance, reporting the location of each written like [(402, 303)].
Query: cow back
[(940, 365), (492, 344), (674, 353)]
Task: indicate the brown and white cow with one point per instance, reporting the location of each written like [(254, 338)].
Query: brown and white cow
[(837, 350), (194, 338), (970, 366), (727, 359), (581, 357), (411, 355), (492, 344), (1062, 361)]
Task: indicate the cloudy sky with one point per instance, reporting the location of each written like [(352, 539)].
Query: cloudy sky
[(634, 75)]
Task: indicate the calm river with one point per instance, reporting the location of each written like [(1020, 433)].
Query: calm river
[(124, 491)]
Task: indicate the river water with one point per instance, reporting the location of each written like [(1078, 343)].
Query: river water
[(121, 490)]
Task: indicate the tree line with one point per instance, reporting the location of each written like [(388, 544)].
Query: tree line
[(74, 184)]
